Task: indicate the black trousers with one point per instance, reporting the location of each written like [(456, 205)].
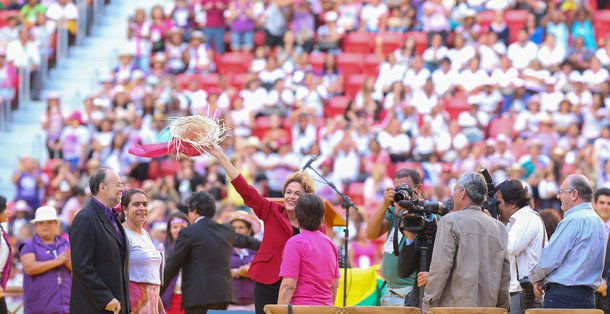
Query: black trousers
[(204, 308), (3, 308), (265, 294)]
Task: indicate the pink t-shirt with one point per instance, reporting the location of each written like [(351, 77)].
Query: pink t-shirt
[(311, 258)]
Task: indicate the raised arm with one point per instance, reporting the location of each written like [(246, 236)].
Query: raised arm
[(220, 155)]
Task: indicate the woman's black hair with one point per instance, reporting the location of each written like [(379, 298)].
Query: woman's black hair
[(309, 211), (126, 198)]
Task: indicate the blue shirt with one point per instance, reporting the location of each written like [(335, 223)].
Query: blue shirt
[(575, 254), (112, 214)]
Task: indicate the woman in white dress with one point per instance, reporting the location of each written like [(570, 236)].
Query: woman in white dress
[(144, 258)]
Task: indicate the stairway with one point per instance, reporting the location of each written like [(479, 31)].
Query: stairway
[(74, 79)]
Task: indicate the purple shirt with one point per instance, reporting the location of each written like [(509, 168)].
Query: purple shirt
[(112, 214), (244, 287), (48, 292)]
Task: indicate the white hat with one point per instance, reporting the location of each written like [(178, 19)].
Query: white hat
[(22, 205), (45, 213), (331, 16)]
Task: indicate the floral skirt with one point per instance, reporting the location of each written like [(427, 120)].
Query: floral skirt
[(144, 298)]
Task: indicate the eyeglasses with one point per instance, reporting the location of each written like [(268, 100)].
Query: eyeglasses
[(568, 190)]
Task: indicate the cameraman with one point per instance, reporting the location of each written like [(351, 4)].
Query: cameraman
[(526, 238), (385, 220)]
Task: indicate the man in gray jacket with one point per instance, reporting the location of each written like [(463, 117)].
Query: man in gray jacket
[(470, 266)]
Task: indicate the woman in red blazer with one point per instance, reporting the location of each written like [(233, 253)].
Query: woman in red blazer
[(280, 224)]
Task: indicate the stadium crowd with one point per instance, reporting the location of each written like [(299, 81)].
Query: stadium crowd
[(442, 87)]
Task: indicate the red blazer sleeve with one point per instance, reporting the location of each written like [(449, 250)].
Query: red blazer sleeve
[(260, 205)]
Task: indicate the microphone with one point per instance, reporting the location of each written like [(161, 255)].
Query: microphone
[(312, 158)]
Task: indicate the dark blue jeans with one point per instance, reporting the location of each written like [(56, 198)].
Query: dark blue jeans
[(568, 297)]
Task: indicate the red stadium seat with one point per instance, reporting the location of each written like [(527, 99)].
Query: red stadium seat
[(485, 19), (359, 42), (4, 16), (356, 192), (515, 19), (391, 41), (259, 38), (336, 106), (209, 81), (602, 24), (455, 106), (182, 80), (238, 81), (371, 65), (261, 127), (49, 167), (350, 63), (353, 84), (234, 62), (421, 41), (501, 125), (317, 61)]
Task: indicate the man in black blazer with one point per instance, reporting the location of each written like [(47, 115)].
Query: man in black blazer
[(100, 280), (601, 204), (203, 252)]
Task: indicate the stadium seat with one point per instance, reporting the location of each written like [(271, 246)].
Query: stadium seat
[(602, 24), (381, 310), (359, 42), (4, 16), (371, 65), (391, 41), (356, 192), (336, 106), (234, 62), (515, 19), (350, 63), (467, 310), (485, 19), (259, 38), (503, 125), (455, 106), (261, 126), (182, 80), (316, 60), (209, 81), (169, 167), (239, 80), (421, 41), (519, 149), (353, 84), (302, 309), (564, 311), (49, 167)]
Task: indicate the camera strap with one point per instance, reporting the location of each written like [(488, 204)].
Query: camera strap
[(396, 229), (543, 240)]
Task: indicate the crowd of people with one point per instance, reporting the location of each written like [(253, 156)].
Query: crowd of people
[(531, 104)]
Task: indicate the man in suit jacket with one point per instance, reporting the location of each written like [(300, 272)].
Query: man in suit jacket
[(469, 244), (601, 204), (100, 281), (203, 252)]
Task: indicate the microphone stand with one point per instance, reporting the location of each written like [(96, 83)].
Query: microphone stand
[(346, 204)]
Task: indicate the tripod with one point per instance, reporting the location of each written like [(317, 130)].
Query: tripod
[(425, 241), (346, 204)]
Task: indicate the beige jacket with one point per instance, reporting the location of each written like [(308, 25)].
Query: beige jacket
[(470, 266)]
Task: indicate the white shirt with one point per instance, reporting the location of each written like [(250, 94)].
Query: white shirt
[(504, 79), (4, 249), (388, 74), (460, 57), (548, 57), (521, 56), (444, 81), (416, 80), (144, 258), (23, 55), (549, 102), (526, 235), (472, 80), (57, 12)]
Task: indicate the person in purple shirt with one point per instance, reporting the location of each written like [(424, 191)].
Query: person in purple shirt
[(100, 281), (28, 181), (47, 266)]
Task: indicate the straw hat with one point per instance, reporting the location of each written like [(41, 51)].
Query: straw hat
[(45, 213), (244, 216)]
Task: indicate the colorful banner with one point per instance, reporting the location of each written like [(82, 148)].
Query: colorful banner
[(364, 287)]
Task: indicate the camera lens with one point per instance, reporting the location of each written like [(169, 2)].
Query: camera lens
[(401, 195)]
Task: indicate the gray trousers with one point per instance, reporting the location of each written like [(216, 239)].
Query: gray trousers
[(516, 303)]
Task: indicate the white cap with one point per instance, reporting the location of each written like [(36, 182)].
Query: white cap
[(331, 16), (45, 213), (22, 205)]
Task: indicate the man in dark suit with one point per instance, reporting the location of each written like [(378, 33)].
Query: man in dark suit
[(203, 252), (601, 204), (100, 281)]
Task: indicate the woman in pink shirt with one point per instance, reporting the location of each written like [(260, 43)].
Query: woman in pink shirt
[(310, 268)]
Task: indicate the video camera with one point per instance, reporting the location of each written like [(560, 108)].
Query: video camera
[(418, 214), (491, 204)]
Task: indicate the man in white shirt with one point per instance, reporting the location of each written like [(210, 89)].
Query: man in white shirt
[(23, 53), (526, 238), (64, 12), (523, 51)]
